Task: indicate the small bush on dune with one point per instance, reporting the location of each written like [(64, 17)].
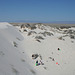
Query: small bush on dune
[(15, 71), (38, 40), (27, 25), (45, 68), (39, 37), (33, 71), (60, 38), (24, 30), (43, 34), (1, 53), (46, 33), (31, 32), (18, 38), (33, 27), (72, 36), (70, 31), (19, 30), (65, 35), (22, 26), (72, 41), (15, 44), (22, 60), (62, 27), (40, 56)]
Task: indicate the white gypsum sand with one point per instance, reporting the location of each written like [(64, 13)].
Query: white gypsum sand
[(17, 47)]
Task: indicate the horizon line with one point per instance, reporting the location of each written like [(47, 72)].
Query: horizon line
[(56, 22)]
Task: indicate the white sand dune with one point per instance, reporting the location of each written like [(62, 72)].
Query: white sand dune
[(16, 49), (12, 61)]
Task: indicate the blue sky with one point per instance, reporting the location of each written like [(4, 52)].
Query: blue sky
[(37, 10)]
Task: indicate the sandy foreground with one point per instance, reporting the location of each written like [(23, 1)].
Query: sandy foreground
[(17, 45)]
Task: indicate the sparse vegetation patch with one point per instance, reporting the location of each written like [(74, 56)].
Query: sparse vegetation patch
[(1, 53), (33, 71), (39, 37), (72, 36), (15, 44), (23, 60), (15, 71)]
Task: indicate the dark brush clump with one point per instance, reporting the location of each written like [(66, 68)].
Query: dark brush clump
[(39, 37)]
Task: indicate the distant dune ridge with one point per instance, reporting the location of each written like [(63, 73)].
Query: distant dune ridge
[(37, 49), (51, 24)]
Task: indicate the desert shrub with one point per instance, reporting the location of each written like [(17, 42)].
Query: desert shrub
[(29, 33), (39, 37), (22, 52), (34, 56), (72, 41), (45, 68), (50, 57), (15, 71), (33, 71), (40, 56), (62, 27), (38, 40), (72, 36), (19, 30), (43, 34), (33, 32), (22, 26), (65, 31), (46, 33), (27, 25), (65, 35), (58, 28), (74, 32), (18, 38), (1, 53), (33, 27), (70, 32), (15, 44), (22, 60), (24, 30), (60, 38)]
